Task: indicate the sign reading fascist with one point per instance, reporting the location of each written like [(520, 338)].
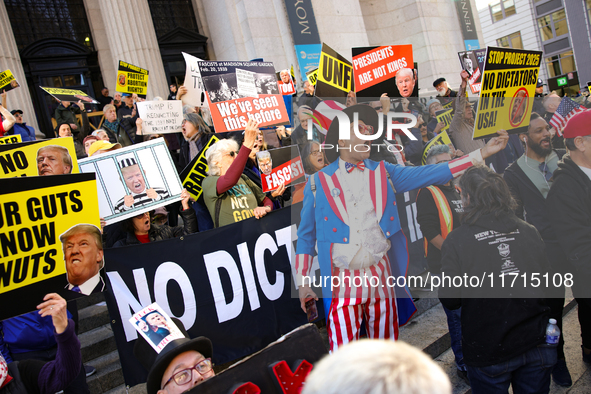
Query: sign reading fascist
[(508, 85)]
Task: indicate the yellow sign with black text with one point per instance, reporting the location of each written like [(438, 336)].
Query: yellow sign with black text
[(8, 81), (312, 76), (335, 72), (131, 79), (56, 156), (441, 139), (507, 91), (193, 180), (444, 116), (11, 139)]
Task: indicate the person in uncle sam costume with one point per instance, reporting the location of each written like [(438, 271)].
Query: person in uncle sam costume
[(350, 210)]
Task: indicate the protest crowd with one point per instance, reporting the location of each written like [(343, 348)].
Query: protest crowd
[(501, 203)]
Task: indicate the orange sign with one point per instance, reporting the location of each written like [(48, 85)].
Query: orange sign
[(380, 64)]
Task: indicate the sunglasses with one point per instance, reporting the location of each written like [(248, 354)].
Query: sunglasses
[(233, 153)]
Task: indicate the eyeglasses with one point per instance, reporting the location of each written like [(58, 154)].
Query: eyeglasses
[(18, 115), (233, 153), (141, 215), (184, 376), (315, 153), (365, 129)]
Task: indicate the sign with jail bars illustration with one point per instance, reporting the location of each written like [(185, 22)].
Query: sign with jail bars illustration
[(134, 180)]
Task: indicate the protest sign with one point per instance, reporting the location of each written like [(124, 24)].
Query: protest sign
[(312, 76), (445, 116), (232, 284), (508, 86), (131, 79), (280, 368), (8, 81), (134, 179), (69, 95), (441, 139), (335, 76), (161, 117), (11, 139), (33, 215), (469, 62), (195, 95), (282, 165), (377, 67), (230, 110), (21, 159), (155, 326), (193, 175), (285, 83)]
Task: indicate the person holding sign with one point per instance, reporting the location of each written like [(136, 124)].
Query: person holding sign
[(351, 218), (66, 113), (462, 125), (230, 196), (83, 255), (9, 119), (133, 177)]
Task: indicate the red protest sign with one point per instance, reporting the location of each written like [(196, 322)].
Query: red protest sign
[(380, 64), (277, 166)]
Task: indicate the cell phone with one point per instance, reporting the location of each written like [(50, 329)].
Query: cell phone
[(311, 310)]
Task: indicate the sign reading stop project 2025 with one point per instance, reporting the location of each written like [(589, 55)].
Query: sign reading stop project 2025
[(508, 86)]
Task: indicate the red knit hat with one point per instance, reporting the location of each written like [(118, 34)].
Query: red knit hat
[(578, 126)]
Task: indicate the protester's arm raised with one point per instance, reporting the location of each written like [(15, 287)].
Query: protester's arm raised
[(9, 119)]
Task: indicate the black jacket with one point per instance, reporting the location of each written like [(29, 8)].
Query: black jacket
[(531, 204), (159, 233), (496, 329), (569, 205)]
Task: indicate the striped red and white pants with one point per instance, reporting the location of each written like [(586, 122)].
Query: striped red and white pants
[(362, 299)]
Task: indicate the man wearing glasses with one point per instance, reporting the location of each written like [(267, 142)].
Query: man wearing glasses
[(27, 133), (181, 365), (351, 215)]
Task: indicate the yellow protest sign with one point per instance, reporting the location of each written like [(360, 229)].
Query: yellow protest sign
[(312, 76), (11, 139), (441, 139), (444, 116), (69, 95), (8, 81), (56, 156), (193, 179), (131, 79), (508, 86), (335, 75)]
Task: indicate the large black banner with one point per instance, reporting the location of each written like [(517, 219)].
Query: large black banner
[(232, 284)]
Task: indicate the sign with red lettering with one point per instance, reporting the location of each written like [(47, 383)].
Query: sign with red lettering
[(237, 91), (280, 166), (380, 64)]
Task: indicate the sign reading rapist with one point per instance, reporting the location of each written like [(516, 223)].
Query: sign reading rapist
[(11, 139), (35, 158), (134, 179), (193, 175), (33, 215), (277, 166), (69, 95), (232, 285), (161, 117), (335, 75), (132, 79), (377, 67), (312, 76), (238, 91), (8, 81), (508, 86)]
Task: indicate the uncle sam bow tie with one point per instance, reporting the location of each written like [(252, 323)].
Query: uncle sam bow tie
[(350, 167)]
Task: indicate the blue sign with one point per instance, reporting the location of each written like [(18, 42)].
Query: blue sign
[(308, 58), (471, 45)]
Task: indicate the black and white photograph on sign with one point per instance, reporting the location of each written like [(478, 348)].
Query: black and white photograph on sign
[(155, 326), (468, 62), (222, 87), (266, 83), (133, 180), (245, 83)]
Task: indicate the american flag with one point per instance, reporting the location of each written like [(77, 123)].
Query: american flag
[(564, 112)]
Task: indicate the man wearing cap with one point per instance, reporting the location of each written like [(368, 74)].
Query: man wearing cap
[(27, 133), (127, 109), (538, 106), (133, 178), (529, 178), (443, 89), (433, 126), (350, 212), (181, 365), (569, 207), (83, 255)]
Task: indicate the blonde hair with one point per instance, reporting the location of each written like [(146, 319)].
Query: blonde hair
[(109, 107), (216, 151)]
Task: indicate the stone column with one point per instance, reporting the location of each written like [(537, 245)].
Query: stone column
[(131, 37), (10, 59)]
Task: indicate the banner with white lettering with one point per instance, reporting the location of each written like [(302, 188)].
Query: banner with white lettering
[(280, 166), (232, 284)]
